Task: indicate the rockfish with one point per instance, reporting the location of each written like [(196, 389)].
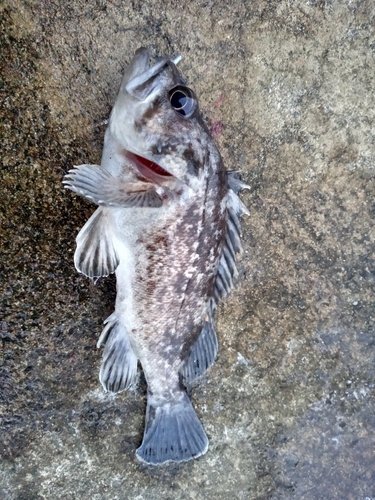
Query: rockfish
[(168, 226)]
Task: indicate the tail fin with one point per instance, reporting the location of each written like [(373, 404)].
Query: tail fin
[(173, 433)]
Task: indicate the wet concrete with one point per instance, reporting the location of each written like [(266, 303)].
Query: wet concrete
[(287, 89)]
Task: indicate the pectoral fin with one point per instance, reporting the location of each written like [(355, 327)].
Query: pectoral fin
[(99, 186)]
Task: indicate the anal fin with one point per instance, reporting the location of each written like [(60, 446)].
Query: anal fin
[(95, 255), (119, 364)]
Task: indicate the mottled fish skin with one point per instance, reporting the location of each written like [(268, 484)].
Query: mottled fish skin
[(168, 226)]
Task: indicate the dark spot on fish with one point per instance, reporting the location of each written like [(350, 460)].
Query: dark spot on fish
[(189, 154), (164, 149), (138, 126), (207, 157), (149, 114), (155, 251), (157, 243), (192, 165), (180, 377), (151, 417), (152, 109), (189, 342), (95, 262)]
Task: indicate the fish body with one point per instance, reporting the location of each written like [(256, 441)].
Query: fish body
[(168, 226)]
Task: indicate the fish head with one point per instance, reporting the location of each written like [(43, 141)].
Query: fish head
[(157, 124)]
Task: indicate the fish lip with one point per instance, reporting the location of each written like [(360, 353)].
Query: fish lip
[(148, 169)]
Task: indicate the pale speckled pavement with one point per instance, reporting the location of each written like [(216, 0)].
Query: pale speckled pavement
[(287, 89)]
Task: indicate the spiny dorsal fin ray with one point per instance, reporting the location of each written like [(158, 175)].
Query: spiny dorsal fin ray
[(233, 232), (95, 255), (119, 364), (227, 269), (235, 183)]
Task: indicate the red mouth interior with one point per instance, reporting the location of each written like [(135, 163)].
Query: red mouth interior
[(148, 168)]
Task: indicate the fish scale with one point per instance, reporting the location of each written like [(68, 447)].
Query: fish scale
[(168, 226)]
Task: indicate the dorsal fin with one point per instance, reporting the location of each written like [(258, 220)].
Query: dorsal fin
[(227, 269), (203, 352)]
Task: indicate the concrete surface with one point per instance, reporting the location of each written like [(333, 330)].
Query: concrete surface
[(288, 91)]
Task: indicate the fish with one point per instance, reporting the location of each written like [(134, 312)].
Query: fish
[(168, 225)]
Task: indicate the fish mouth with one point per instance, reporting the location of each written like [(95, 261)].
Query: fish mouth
[(148, 169), (140, 79)]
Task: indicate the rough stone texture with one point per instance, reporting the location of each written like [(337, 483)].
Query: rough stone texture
[(288, 90)]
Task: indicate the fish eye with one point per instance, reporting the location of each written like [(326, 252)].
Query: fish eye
[(183, 101)]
